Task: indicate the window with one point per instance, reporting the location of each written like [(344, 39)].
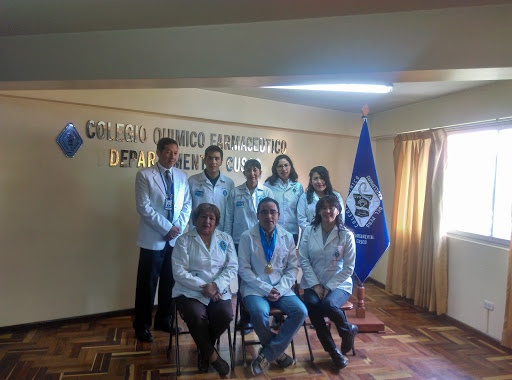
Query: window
[(478, 182)]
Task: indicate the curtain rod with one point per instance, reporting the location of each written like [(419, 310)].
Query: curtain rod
[(472, 125)]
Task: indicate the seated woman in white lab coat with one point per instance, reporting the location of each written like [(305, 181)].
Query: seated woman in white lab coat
[(204, 263), (327, 255), (319, 186)]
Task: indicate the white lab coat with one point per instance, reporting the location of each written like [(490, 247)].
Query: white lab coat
[(287, 195), (252, 262), (306, 212), (202, 191), (150, 198), (241, 212), (331, 264), (194, 265)]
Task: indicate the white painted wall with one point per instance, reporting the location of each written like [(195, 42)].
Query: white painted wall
[(383, 156), (210, 105), (68, 225), (476, 271)]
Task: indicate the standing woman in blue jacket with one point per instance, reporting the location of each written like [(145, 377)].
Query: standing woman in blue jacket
[(327, 255), (286, 190)]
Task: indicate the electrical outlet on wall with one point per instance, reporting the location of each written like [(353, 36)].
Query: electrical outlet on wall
[(488, 305)]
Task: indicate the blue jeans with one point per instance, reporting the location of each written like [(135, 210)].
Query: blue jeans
[(328, 307), (275, 344)]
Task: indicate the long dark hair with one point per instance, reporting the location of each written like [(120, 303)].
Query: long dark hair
[(329, 200), (324, 174), (274, 177)]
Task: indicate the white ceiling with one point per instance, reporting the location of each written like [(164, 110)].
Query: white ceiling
[(402, 94), (23, 18)]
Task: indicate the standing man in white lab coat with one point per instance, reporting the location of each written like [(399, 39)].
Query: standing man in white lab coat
[(268, 267), (163, 202), (211, 186)]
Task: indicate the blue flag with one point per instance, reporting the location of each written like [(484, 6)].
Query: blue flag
[(364, 212)]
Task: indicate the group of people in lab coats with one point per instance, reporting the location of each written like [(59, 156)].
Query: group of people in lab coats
[(250, 231)]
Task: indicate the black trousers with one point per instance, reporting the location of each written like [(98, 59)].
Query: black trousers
[(205, 323), (152, 266), (328, 307)]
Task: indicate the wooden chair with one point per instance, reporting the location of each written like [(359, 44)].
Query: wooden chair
[(177, 333), (272, 313)]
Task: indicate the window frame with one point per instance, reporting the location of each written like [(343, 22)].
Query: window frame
[(497, 124)]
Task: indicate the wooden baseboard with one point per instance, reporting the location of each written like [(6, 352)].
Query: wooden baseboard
[(376, 283), (66, 321)]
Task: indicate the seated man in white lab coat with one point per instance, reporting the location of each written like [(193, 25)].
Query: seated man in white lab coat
[(268, 267)]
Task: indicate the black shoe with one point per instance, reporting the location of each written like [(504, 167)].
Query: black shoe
[(221, 366), (144, 335), (202, 363), (338, 359), (347, 342), (284, 361)]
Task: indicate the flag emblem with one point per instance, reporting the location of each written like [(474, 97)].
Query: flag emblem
[(364, 200)]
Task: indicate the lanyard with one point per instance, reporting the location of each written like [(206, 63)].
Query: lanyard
[(269, 251), (165, 187)]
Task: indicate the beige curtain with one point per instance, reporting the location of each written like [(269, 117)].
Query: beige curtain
[(507, 326), (418, 259)]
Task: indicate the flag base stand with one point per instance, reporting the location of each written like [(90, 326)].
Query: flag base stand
[(365, 320), (370, 323)]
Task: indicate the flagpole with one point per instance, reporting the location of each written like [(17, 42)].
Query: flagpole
[(360, 292), (360, 308), (365, 214)]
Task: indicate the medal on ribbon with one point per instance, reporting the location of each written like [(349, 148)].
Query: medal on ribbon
[(269, 251)]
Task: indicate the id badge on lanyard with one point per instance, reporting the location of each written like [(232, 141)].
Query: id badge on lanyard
[(168, 204)]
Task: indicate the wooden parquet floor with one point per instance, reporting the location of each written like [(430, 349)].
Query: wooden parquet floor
[(415, 345)]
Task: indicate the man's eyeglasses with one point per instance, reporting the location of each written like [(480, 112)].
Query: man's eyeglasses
[(271, 212)]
